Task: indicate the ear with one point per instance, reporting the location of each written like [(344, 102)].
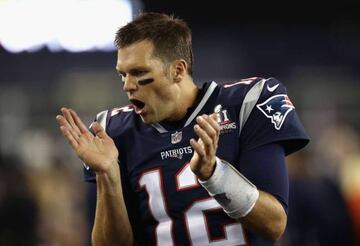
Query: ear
[(179, 70)]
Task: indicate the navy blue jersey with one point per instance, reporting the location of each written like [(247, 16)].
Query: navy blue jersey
[(166, 204)]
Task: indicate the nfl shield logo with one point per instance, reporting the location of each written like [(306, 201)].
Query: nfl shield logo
[(176, 137)]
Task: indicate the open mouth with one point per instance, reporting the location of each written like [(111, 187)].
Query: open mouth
[(138, 105)]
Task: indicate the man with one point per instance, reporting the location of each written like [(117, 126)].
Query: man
[(183, 165)]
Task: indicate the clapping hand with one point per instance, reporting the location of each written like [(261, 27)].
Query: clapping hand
[(97, 151), (203, 161)]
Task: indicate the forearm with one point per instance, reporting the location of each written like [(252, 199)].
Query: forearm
[(241, 200), (267, 217), (112, 226)]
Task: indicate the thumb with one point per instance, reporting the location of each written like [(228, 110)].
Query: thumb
[(98, 130)]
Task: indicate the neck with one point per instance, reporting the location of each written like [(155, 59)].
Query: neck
[(188, 92)]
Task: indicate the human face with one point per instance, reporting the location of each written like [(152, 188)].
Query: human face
[(154, 101)]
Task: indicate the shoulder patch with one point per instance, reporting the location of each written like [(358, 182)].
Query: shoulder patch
[(276, 108)]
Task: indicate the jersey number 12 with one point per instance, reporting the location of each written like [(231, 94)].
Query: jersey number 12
[(194, 216)]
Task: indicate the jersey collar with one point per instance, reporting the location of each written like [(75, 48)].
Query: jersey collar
[(205, 94)]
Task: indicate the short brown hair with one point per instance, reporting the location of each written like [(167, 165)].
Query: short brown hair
[(171, 36)]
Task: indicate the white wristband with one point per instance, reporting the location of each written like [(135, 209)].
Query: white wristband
[(235, 193)]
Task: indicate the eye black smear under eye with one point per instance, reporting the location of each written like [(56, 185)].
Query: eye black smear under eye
[(145, 81)]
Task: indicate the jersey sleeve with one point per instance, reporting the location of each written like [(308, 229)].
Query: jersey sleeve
[(270, 117), (265, 166)]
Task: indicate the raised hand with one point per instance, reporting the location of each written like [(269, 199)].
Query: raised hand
[(99, 151), (203, 160)]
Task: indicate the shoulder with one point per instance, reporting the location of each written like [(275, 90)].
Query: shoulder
[(268, 115), (116, 119), (247, 89)]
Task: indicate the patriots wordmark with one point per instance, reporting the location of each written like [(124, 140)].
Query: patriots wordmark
[(176, 153)]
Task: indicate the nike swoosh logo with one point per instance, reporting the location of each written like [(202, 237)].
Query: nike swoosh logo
[(272, 88)]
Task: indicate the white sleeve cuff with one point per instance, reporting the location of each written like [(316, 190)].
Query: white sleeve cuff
[(234, 192)]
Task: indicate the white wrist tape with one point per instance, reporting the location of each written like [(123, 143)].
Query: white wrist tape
[(236, 194)]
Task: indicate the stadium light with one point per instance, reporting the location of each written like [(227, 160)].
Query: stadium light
[(71, 25)]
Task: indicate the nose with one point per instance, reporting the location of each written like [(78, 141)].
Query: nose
[(129, 84)]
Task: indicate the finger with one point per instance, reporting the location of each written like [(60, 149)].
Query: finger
[(204, 123), (79, 122), (198, 148), (70, 120), (99, 130), (203, 136), (69, 137), (214, 116), (65, 124), (61, 120), (214, 123), (210, 145), (205, 141)]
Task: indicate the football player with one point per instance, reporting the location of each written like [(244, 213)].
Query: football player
[(185, 164)]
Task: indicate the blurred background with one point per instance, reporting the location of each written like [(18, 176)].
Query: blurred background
[(60, 53)]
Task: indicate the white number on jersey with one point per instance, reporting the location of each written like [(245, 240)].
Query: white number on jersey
[(195, 218)]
